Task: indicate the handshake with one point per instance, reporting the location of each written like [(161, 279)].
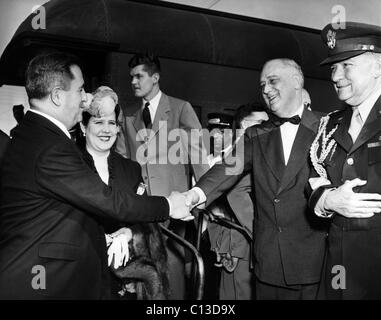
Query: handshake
[(182, 203)]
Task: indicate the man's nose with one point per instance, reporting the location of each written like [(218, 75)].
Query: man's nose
[(337, 73), (265, 88), (83, 96)]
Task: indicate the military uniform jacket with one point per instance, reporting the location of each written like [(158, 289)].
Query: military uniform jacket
[(354, 243), (359, 160)]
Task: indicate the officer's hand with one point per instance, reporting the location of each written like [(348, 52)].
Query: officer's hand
[(350, 204)]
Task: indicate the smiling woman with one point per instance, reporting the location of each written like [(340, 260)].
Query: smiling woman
[(100, 131), (136, 252)]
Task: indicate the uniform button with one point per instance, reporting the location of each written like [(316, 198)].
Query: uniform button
[(350, 161), (145, 178), (276, 200)]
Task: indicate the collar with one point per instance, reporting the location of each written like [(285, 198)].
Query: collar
[(96, 156), (299, 113), (58, 123), (366, 106), (153, 103)]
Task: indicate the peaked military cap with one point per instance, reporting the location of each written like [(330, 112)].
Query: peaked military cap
[(219, 120), (353, 40)]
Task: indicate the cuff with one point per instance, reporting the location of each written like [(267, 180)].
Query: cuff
[(320, 210), (169, 206), (316, 196), (201, 195)]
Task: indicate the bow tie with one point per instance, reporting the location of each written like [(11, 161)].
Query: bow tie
[(279, 121)]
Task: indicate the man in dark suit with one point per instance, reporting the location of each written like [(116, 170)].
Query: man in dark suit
[(144, 137), (51, 242), (350, 164), (289, 241)]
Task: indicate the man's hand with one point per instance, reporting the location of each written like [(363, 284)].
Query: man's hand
[(178, 207), (226, 260), (191, 198), (229, 262), (350, 204), (118, 249)]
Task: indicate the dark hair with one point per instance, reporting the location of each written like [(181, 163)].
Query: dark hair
[(150, 61), (244, 110), (47, 71)]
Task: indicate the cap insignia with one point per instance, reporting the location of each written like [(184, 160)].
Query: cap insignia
[(331, 39)]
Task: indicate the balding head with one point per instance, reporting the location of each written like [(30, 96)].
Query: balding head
[(281, 85)]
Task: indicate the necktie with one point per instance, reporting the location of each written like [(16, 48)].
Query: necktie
[(147, 116), (356, 124), (279, 121)]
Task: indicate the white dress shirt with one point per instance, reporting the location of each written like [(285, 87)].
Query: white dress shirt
[(153, 105), (288, 133)]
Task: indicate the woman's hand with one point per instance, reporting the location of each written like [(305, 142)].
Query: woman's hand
[(118, 249)]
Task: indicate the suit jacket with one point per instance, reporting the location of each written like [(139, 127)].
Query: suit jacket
[(159, 172), (50, 209), (289, 240), (354, 242)]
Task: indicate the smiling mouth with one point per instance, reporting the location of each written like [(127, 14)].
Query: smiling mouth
[(105, 138), (342, 86), (272, 99)]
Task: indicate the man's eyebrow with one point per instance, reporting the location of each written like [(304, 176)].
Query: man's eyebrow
[(269, 77)]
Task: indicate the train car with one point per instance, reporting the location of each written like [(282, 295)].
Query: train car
[(209, 58)]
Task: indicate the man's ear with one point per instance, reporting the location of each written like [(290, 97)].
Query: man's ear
[(56, 96), (156, 77), (297, 81)]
